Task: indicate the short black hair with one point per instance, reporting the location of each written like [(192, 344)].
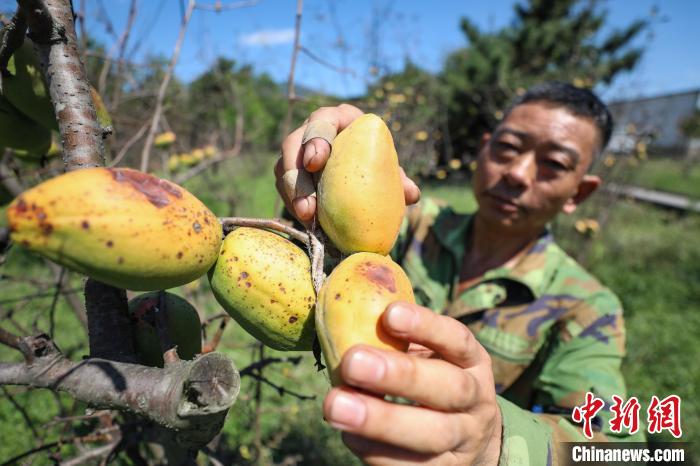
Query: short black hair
[(578, 101)]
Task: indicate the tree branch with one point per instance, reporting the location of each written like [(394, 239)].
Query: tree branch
[(191, 397), (53, 32)]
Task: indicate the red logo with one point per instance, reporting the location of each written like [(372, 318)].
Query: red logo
[(587, 412), (661, 414), (665, 415), (626, 415)]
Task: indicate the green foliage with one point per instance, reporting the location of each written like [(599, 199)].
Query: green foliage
[(691, 126), (409, 101), (547, 40)]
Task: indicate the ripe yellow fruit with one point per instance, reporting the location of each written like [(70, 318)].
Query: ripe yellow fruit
[(182, 322), (360, 194), (264, 282), (120, 226), (351, 303)]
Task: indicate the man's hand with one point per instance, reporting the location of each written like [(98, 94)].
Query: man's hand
[(447, 374), (313, 156)]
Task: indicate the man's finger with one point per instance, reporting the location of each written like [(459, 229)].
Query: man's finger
[(411, 191), (378, 454), (316, 153), (448, 337), (292, 155), (394, 424), (399, 374)]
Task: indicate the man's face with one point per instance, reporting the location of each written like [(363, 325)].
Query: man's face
[(534, 166)]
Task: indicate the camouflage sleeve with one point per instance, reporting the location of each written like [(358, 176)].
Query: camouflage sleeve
[(586, 357)]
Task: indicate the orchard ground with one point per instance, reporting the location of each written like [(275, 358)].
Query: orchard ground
[(649, 257)]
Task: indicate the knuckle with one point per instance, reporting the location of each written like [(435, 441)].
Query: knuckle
[(463, 394), (448, 436), (464, 344)]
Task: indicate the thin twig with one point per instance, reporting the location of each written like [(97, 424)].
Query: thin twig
[(118, 45), (310, 239), (9, 339), (93, 453), (281, 391), (23, 412), (127, 145), (271, 224), (216, 339), (291, 93), (146, 152), (218, 6), (258, 365), (323, 62), (52, 310), (46, 294)]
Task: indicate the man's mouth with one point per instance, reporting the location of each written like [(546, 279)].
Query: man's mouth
[(504, 203)]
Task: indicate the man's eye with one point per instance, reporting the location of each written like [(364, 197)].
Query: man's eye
[(505, 146), (555, 164)]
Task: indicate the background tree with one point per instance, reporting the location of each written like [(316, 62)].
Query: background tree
[(547, 40)]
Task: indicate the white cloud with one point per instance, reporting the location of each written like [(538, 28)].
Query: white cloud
[(269, 37)]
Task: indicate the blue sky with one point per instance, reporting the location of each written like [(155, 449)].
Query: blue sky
[(351, 34)]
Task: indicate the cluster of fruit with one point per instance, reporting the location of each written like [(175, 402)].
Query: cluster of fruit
[(135, 231), (190, 159)]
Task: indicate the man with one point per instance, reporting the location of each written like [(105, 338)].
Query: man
[(536, 333)]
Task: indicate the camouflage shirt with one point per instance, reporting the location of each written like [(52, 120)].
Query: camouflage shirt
[(552, 330)]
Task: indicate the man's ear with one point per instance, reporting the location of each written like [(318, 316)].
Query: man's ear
[(587, 186)]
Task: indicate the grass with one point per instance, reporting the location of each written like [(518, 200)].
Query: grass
[(668, 175), (649, 257)]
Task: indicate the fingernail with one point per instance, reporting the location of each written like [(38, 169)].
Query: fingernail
[(365, 367), (309, 154), (347, 411), (401, 319)]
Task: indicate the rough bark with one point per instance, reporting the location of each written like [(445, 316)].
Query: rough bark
[(191, 398), (53, 32)]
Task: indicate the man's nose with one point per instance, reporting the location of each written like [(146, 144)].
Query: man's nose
[(522, 170)]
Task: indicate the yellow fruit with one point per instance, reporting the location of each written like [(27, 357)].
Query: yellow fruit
[(264, 282), (120, 226), (360, 195), (351, 303), (25, 87), (182, 322), (164, 140)]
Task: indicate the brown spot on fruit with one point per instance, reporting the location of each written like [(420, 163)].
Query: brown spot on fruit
[(21, 206), (179, 255), (379, 275), (272, 301), (110, 243), (85, 225), (120, 260), (46, 228), (293, 319), (337, 296), (157, 191), (247, 284)]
